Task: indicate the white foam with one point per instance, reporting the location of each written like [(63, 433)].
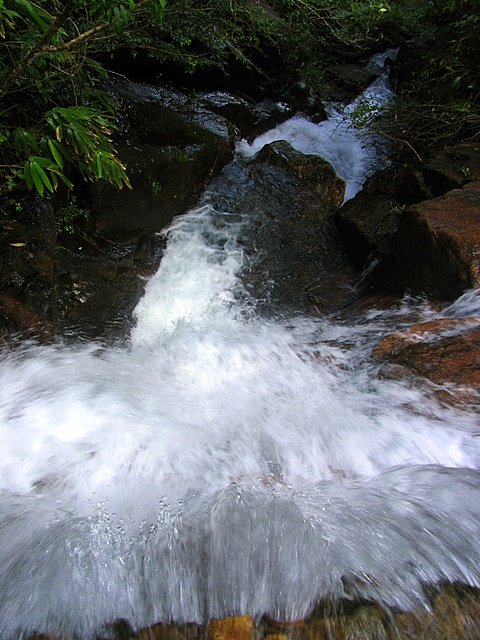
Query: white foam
[(354, 154), (225, 463)]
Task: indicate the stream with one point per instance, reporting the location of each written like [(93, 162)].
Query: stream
[(229, 460)]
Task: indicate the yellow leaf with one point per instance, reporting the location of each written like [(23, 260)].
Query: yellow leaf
[(17, 244)]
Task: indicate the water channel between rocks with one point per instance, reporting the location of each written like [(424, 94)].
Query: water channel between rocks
[(227, 461)]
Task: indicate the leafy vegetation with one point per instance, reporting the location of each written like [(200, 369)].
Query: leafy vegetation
[(53, 114), (56, 122), (67, 216), (440, 101)]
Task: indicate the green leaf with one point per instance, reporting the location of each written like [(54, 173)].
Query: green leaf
[(64, 179), (24, 142), (37, 180), (56, 153), (37, 15), (28, 175), (43, 162)]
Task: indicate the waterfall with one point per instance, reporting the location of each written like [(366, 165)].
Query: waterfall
[(354, 153), (224, 462)]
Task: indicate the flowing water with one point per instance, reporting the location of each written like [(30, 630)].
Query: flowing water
[(226, 462)]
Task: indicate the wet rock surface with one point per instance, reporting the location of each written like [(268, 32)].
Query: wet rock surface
[(445, 351), (290, 200), (172, 147), (413, 239), (27, 240), (435, 247)]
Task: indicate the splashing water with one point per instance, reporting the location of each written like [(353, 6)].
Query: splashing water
[(355, 155), (225, 463)]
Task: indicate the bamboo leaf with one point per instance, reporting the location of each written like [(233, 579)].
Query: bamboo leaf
[(37, 181), (65, 180), (45, 179), (27, 173), (55, 151), (43, 162)]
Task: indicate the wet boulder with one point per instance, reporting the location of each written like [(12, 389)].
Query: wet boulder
[(410, 237), (445, 351), (452, 168), (315, 172), (436, 246), (28, 239), (290, 199), (172, 147), (346, 80), (367, 222)]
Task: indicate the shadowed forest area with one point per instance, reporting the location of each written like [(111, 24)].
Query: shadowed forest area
[(57, 120)]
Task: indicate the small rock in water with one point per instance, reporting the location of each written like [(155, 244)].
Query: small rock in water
[(232, 628)]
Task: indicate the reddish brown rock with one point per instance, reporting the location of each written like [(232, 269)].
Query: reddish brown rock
[(232, 628), (436, 248), (430, 350), (433, 331)]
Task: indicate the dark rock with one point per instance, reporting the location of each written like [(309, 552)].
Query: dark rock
[(291, 230), (172, 148), (410, 188), (313, 171), (347, 80), (163, 631), (99, 283), (27, 238), (452, 168), (367, 224)]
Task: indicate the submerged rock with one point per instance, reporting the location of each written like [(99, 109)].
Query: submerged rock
[(232, 628), (453, 614)]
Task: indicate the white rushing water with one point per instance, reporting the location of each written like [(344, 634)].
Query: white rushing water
[(226, 463), (354, 153)]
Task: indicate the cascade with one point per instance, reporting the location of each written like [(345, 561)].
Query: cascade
[(225, 462)]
